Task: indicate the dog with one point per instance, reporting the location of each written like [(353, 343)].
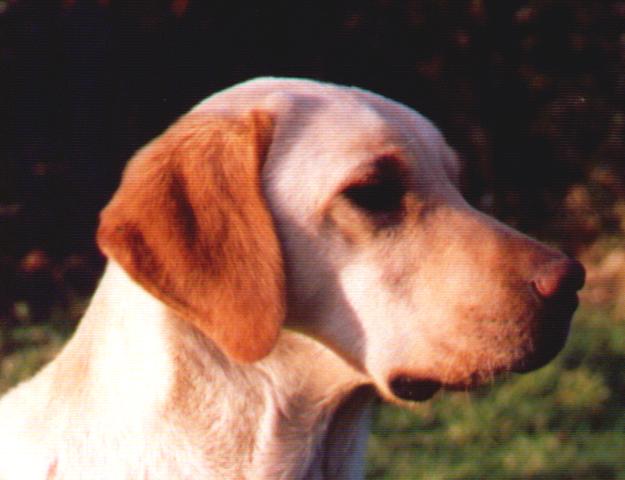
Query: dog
[(283, 254)]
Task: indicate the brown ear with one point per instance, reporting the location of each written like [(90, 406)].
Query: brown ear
[(189, 224)]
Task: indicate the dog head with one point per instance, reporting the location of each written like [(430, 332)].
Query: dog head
[(335, 212)]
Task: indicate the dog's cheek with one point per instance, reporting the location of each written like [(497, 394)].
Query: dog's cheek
[(389, 325)]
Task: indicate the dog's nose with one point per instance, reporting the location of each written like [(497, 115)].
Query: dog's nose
[(564, 276)]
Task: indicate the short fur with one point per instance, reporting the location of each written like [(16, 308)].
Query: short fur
[(195, 191), (282, 255)]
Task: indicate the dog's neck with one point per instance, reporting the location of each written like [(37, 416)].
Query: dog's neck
[(147, 374)]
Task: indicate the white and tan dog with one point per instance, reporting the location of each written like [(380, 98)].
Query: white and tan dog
[(283, 253)]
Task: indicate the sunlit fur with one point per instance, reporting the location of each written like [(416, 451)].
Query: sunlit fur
[(251, 311)]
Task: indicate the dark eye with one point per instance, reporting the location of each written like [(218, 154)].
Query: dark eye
[(381, 191)]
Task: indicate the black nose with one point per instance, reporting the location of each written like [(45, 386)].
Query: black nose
[(565, 276)]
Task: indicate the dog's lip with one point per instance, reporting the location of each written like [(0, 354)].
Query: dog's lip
[(555, 329), (541, 357), (557, 312), (413, 389)]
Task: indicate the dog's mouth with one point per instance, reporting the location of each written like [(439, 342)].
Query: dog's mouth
[(412, 389), (548, 342), (552, 335)]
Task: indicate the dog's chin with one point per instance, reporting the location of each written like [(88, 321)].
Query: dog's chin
[(405, 388)]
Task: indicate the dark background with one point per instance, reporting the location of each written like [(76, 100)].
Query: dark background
[(531, 93)]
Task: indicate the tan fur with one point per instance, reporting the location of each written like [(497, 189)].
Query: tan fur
[(195, 191)]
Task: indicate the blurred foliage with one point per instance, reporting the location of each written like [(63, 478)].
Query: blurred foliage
[(531, 93)]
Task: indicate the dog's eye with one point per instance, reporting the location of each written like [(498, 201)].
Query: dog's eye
[(381, 191)]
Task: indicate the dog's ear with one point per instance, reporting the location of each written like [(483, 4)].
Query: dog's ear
[(189, 223)]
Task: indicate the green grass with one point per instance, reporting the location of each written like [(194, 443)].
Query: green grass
[(565, 421)]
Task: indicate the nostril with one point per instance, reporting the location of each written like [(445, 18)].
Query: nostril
[(566, 275)]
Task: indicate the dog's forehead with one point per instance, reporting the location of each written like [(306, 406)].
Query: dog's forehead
[(299, 100), (321, 138), (324, 133)]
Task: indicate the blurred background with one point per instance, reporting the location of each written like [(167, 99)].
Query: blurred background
[(531, 93)]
